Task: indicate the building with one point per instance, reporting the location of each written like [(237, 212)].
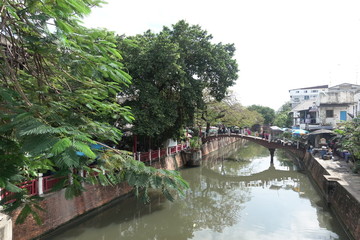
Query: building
[(328, 108), (300, 95), (340, 103)]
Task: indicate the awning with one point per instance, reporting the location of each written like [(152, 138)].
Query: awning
[(322, 131), (276, 128), (303, 106)]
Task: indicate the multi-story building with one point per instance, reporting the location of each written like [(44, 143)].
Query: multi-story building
[(300, 95), (328, 108)]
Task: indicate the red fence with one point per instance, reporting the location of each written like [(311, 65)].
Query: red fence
[(34, 188), (157, 154)]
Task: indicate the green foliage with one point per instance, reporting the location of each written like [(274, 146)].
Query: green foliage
[(282, 116), (349, 139), (170, 70), (195, 143), (228, 112), (267, 113), (58, 95)]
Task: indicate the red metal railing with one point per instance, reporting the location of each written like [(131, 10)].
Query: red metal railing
[(156, 154), (49, 182), (31, 186)]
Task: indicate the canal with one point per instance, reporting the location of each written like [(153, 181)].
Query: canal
[(236, 193)]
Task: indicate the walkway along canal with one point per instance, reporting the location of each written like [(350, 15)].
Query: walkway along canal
[(236, 193)]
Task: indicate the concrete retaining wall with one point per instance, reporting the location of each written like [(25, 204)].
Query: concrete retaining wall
[(5, 227), (340, 198), (59, 211), (217, 143)]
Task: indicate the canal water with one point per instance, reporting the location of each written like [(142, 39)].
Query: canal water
[(236, 193)]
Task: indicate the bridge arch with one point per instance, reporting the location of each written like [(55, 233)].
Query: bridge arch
[(271, 145)]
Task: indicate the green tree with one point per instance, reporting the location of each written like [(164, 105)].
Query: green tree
[(59, 83), (228, 111), (349, 139), (266, 112), (282, 116), (170, 72)]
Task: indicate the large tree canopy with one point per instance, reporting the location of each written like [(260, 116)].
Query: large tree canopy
[(228, 111), (170, 72), (266, 112), (59, 83)]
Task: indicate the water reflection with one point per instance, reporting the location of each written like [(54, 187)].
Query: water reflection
[(236, 194)]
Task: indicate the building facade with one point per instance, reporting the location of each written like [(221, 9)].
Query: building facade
[(300, 95), (328, 107)]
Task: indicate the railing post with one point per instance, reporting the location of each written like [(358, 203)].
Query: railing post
[(134, 156), (150, 156), (81, 172), (159, 154), (71, 180), (167, 151), (40, 184), (138, 155)]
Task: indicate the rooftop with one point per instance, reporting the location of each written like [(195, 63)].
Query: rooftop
[(315, 87)]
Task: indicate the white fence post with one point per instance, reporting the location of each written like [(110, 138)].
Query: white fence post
[(159, 153), (138, 154), (71, 180), (40, 184), (150, 156)]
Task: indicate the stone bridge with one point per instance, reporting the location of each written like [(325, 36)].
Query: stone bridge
[(271, 145)]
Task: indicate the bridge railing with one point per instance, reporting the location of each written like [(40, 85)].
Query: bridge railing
[(267, 141)]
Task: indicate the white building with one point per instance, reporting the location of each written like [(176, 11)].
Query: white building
[(340, 103), (328, 108), (300, 95)]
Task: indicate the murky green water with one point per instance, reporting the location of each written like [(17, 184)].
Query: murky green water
[(235, 194)]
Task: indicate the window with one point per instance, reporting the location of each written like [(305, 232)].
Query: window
[(306, 97), (329, 113), (296, 100), (305, 91), (314, 90), (297, 92)]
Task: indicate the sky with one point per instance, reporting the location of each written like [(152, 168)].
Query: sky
[(280, 44)]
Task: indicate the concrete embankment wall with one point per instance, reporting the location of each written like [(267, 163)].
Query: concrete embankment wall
[(59, 211), (336, 192), (5, 227), (217, 143)]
